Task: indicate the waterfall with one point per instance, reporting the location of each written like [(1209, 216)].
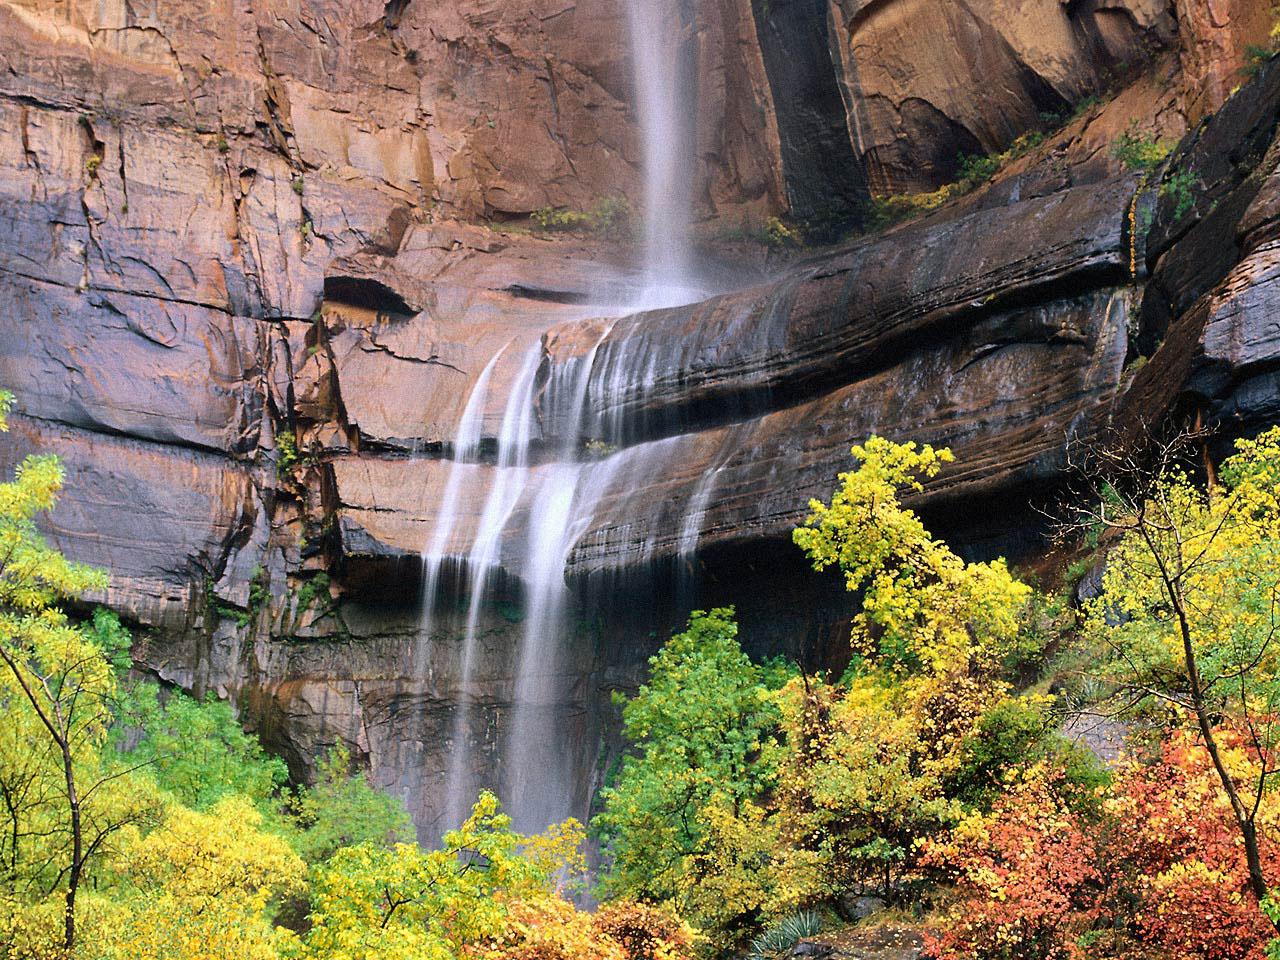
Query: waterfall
[(664, 77), (510, 475), (540, 771), (465, 452), (545, 485)]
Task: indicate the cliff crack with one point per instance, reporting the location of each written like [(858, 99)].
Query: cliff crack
[(392, 12)]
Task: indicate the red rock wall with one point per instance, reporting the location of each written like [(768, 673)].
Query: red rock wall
[(1215, 36), (928, 79), (221, 220)]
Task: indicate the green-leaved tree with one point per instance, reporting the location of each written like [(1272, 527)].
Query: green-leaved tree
[(704, 730)]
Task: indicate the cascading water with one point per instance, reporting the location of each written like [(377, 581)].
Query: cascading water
[(465, 452), (554, 484), (662, 69), (510, 475), (538, 769)]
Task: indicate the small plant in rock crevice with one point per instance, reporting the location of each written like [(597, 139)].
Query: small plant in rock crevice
[(778, 235), (259, 596), (1138, 152), (287, 446), (1179, 187), (974, 172), (1257, 56), (315, 589)]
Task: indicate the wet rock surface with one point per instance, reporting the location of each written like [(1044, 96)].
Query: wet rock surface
[(226, 224)]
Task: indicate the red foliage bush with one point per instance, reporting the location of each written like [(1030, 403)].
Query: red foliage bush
[(1161, 873), (1029, 870), (1174, 849)]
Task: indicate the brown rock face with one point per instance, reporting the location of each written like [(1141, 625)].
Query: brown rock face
[(223, 224), (1208, 314), (1215, 36), (926, 80)]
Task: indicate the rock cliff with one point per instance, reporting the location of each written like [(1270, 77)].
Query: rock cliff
[(224, 224)]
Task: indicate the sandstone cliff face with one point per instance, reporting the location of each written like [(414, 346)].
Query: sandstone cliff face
[(1214, 43), (225, 223), (926, 80)]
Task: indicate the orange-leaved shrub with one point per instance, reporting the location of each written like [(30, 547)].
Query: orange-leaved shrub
[(644, 931), (548, 928), (1155, 869), (1028, 870)]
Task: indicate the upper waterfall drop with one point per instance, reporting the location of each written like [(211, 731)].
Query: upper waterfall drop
[(664, 75)]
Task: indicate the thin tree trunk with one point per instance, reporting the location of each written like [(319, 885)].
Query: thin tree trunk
[(1244, 819), (77, 849), (60, 734)]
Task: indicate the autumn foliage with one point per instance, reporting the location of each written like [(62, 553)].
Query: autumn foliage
[(1030, 870), (1160, 869), (136, 825)]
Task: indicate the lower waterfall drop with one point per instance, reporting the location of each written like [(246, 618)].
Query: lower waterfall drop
[(510, 475), (545, 488)]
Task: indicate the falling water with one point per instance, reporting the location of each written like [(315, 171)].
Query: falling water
[(540, 769), (466, 448), (558, 498), (662, 69), (510, 475)]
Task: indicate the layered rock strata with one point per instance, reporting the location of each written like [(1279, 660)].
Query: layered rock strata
[(228, 224)]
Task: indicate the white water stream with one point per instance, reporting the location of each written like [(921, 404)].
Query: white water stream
[(557, 497)]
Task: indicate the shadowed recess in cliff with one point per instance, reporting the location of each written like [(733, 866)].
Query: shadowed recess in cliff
[(392, 13), (367, 293), (825, 182)]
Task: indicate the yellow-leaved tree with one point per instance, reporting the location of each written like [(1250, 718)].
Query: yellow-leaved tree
[(62, 802), (200, 886), (868, 761), (923, 607), (406, 903), (1188, 617)]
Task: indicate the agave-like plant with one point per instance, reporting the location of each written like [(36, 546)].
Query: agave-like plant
[(785, 934)]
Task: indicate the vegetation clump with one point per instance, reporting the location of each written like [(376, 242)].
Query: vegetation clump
[(1140, 152), (785, 934), (1258, 56), (975, 171), (924, 767), (610, 217)]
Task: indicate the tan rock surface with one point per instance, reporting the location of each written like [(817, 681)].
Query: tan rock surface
[(928, 79), (229, 223)]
